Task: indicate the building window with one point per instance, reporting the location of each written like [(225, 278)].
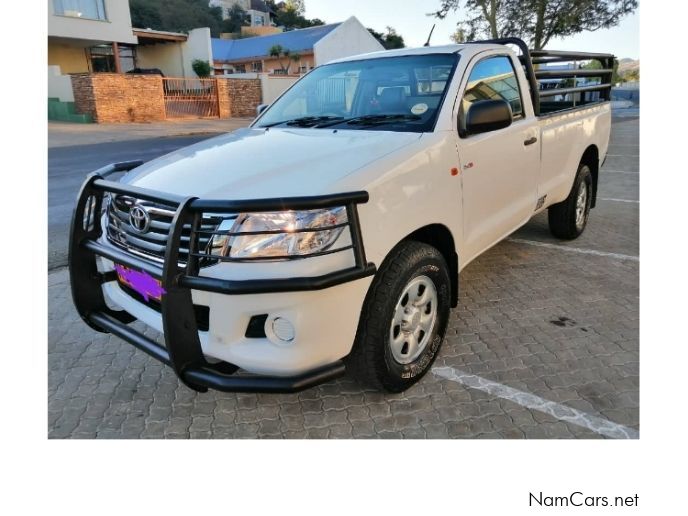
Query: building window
[(259, 20), (257, 66), (102, 58), (127, 58), (87, 9)]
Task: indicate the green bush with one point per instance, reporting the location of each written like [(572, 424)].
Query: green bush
[(202, 68)]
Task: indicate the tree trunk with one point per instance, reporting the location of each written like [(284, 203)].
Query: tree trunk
[(490, 14), (538, 36), (493, 18)]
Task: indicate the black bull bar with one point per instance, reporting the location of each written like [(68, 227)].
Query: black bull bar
[(182, 350)]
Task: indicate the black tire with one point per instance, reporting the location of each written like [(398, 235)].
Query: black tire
[(372, 359), (564, 218)]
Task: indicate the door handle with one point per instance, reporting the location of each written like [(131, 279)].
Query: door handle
[(530, 141)]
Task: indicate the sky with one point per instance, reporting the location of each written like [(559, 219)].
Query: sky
[(409, 18)]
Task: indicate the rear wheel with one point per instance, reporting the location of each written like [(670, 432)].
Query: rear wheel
[(567, 219), (404, 319)]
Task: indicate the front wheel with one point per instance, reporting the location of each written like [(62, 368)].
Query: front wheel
[(567, 219), (403, 320)]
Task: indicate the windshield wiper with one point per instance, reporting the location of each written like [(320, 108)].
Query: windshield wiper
[(305, 121), (373, 119)]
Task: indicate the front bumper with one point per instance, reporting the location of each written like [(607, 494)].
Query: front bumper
[(183, 350)]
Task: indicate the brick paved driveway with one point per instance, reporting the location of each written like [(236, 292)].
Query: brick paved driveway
[(544, 344)]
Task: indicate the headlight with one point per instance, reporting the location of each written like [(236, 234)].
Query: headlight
[(279, 234)]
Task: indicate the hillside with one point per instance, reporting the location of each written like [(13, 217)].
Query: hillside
[(626, 65), (629, 69)]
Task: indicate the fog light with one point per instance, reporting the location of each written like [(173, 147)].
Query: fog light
[(283, 329)]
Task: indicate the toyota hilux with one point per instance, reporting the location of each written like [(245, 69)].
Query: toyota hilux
[(330, 233)]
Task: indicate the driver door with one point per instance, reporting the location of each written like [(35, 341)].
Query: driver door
[(499, 168)]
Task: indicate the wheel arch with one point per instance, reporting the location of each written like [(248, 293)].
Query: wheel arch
[(440, 237), (591, 157)]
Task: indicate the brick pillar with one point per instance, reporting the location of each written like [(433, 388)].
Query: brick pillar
[(245, 96), (84, 94), (223, 98)]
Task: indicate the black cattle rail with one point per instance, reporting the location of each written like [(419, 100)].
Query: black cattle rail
[(182, 350), (532, 59)]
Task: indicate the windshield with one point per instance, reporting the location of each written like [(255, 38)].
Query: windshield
[(391, 94)]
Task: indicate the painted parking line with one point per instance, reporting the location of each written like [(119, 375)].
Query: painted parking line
[(561, 412), (578, 250), (620, 200)]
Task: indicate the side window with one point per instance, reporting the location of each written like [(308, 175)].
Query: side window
[(493, 78)]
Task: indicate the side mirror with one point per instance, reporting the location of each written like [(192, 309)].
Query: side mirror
[(261, 108), (488, 115)]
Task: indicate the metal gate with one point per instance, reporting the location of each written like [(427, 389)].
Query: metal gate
[(191, 98)]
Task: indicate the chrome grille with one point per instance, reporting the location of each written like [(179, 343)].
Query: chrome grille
[(151, 242)]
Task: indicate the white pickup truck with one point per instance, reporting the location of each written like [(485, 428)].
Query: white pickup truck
[(330, 233)]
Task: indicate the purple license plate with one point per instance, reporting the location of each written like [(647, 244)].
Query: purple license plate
[(140, 282)]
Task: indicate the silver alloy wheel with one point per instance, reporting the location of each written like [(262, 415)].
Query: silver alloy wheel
[(414, 319), (581, 205)]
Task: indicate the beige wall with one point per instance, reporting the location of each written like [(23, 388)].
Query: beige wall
[(116, 28), (175, 58), (349, 39), (59, 86), (260, 31), (274, 85), (165, 56), (70, 59), (197, 46)]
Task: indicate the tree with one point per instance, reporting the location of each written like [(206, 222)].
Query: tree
[(459, 36), (393, 39), (596, 65), (237, 17), (296, 58), (537, 21), (144, 15), (390, 40), (290, 14), (278, 52), (628, 70), (297, 5), (201, 67), (631, 76), (176, 15)]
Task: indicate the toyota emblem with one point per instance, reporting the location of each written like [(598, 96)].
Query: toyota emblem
[(139, 219)]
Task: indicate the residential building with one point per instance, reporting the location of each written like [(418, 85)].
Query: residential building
[(259, 13), (96, 36), (314, 46), (90, 36), (170, 52)]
